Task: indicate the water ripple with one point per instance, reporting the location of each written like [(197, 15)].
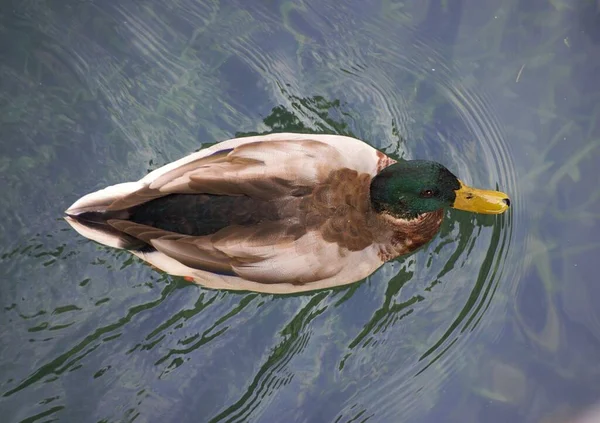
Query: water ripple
[(172, 76)]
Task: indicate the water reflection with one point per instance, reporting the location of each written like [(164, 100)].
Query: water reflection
[(492, 321)]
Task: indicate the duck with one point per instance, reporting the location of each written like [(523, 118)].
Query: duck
[(279, 213)]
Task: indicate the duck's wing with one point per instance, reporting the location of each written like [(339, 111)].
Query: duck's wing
[(262, 167), (259, 170), (267, 253)]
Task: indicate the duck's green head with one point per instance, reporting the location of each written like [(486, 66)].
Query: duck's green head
[(410, 188)]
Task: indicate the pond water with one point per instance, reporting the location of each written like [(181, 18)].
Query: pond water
[(496, 320)]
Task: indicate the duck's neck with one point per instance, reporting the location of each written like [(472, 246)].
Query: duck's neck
[(407, 235)]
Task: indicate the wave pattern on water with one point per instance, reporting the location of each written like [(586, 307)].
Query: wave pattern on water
[(174, 75)]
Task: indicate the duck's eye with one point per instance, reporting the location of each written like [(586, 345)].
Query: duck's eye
[(427, 193)]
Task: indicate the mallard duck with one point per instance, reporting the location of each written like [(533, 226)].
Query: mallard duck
[(278, 213)]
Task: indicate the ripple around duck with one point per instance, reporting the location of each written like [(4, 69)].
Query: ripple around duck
[(412, 325)]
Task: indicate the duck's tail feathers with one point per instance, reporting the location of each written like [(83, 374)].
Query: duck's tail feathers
[(100, 200), (89, 217)]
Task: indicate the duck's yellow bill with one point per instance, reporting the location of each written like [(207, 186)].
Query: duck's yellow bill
[(480, 200)]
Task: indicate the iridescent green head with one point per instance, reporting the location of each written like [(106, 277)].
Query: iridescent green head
[(410, 188)]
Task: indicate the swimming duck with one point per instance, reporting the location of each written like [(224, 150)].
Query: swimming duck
[(278, 213)]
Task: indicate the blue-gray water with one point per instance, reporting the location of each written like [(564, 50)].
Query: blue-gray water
[(496, 320)]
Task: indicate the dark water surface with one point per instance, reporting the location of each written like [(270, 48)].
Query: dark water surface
[(496, 320)]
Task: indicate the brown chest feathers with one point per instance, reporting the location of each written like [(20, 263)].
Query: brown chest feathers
[(340, 209)]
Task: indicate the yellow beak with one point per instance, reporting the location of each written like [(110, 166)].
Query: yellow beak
[(480, 200)]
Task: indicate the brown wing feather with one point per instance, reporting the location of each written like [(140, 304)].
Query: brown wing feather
[(176, 177), (259, 169), (267, 253), (195, 252), (191, 253)]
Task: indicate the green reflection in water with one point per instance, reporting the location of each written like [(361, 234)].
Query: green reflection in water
[(551, 124), (70, 358), (295, 337)]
